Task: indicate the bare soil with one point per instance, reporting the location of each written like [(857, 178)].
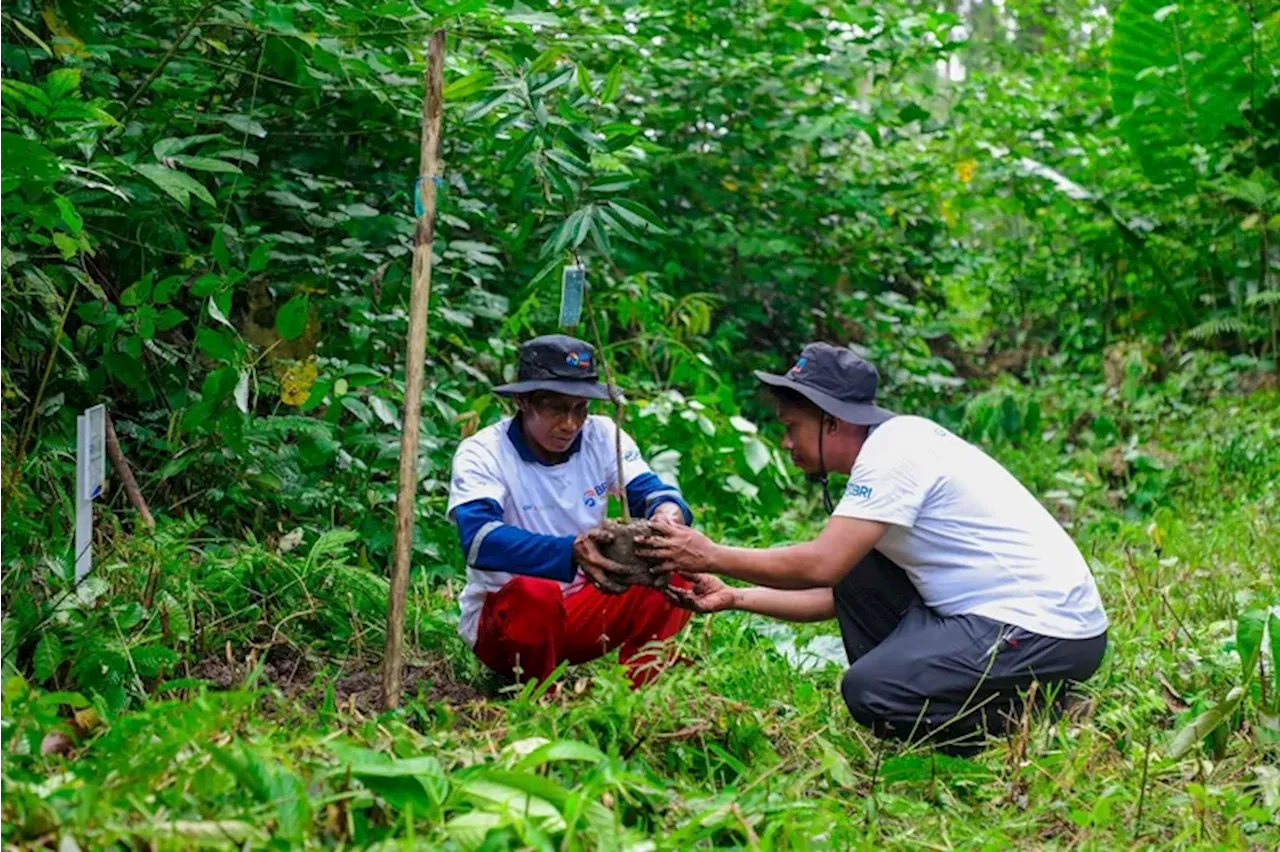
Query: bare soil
[(622, 549)]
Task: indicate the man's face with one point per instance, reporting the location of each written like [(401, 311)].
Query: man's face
[(801, 440), (552, 421)]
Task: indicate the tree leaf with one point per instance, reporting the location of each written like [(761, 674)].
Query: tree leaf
[(385, 411), (48, 656), (357, 407), (1273, 636), (1250, 627), (260, 257), (207, 164), (291, 319), (612, 82), (244, 124), (62, 82), (757, 454), (178, 185), (554, 82), (638, 215), (241, 393), (216, 344), (465, 87), (742, 424), (1205, 723), (217, 314)]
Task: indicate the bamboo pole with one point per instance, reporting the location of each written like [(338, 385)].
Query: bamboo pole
[(420, 296)]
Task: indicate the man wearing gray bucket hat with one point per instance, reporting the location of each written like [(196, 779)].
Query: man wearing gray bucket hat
[(527, 494), (954, 589)]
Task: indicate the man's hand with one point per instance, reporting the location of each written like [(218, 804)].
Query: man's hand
[(587, 556), (668, 512), (677, 548), (707, 594)]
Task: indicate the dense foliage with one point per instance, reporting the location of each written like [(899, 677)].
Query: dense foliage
[(1053, 226)]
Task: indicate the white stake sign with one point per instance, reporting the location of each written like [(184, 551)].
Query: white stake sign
[(91, 476)]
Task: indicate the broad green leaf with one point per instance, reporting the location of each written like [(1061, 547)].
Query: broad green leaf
[(66, 244), (558, 751), (637, 215), (170, 146), (612, 82), (546, 59), (207, 164), (244, 124), (1205, 723), (1273, 636), (26, 162), (465, 87), (359, 211), (47, 657), (584, 226), (1250, 627), (221, 253), (757, 454), (62, 82), (169, 319), (384, 410), (568, 163), (737, 485), (584, 80), (179, 185), (69, 215), (552, 83), (357, 407), (291, 319), (469, 830), (241, 393), (216, 344), (217, 313), (480, 110), (260, 257), (137, 292)]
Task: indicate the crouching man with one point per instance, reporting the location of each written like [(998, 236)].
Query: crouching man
[(954, 589), (526, 494)]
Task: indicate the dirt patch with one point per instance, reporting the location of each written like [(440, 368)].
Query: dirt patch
[(283, 667), (433, 682), (288, 670), (621, 548)]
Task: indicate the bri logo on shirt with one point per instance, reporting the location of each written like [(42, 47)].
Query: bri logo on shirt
[(592, 495), (863, 491)]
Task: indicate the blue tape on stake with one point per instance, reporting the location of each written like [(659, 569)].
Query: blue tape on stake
[(573, 284), (418, 207)]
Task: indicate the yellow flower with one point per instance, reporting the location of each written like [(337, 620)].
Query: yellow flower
[(966, 169), (295, 386)]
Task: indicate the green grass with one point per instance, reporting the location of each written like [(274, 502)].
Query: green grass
[(742, 748)]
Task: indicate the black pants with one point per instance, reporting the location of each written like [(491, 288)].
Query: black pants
[(949, 680)]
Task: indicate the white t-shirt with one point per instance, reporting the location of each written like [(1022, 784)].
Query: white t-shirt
[(968, 534), (563, 499)]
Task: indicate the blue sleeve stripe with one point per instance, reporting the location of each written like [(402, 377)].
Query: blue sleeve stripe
[(665, 494)]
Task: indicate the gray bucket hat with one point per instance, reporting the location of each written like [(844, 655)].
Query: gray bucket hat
[(558, 363), (837, 380)]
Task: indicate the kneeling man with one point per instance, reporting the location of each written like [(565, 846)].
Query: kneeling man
[(526, 493), (954, 588)]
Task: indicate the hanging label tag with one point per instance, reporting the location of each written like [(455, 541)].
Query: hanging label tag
[(573, 284)]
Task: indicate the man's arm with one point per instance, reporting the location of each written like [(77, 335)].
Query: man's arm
[(707, 593), (821, 563)]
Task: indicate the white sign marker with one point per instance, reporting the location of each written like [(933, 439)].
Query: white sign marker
[(91, 477)]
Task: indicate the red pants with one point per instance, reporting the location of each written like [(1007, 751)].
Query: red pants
[(530, 625)]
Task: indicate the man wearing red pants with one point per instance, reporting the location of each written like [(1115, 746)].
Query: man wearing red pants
[(526, 495)]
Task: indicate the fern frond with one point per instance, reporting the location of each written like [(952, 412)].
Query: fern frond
[(1218, 325), (1264, 297)]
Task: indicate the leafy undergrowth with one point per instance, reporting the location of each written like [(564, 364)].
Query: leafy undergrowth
[(227, 695)]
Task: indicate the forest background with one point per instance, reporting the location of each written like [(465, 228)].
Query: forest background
[(1053, 225)]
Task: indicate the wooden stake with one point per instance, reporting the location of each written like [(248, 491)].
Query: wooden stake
[(420, 296), (121, 465)]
